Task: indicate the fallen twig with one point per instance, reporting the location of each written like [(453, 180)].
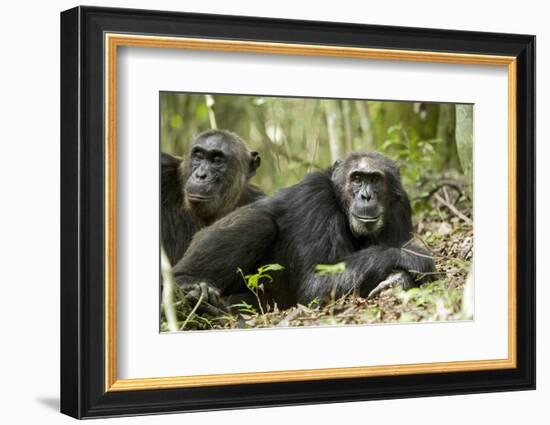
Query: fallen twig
[(168, 292), (199, 301), (454, 209)]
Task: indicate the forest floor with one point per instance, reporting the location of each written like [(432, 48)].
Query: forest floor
[(449, 238)]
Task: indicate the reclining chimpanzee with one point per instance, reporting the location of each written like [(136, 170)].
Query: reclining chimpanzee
[(357, 212)]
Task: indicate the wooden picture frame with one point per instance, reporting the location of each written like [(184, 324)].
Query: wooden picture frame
[(90, 38)]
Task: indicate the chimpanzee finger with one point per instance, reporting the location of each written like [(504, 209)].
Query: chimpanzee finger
[(213, 297), (205, 291), (397, 278), (406, 281), (193, 295), (208, 293), (391, 280), (211, 310), (379, 288)]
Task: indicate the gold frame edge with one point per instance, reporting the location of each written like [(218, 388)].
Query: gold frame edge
[(113, 41)]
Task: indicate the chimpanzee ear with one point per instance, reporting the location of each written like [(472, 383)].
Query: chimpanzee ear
[(336, 164), (255, 162)]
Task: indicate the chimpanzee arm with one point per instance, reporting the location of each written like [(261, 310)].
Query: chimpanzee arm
[(171, 185), (239, 240), (417, 267), (364, 270), (177, 225)]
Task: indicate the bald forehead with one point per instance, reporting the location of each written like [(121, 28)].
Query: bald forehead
[(365, 165), (219, 142)]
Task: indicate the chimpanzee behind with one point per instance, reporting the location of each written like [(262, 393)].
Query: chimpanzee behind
[(211, 181), (357, 212)]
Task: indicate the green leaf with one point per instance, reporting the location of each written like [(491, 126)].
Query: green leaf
[(313, 303), (429, 147), (387, 144), (254, 281), (330, 269), (270, 267), (176, 121), (244, 307), (413, 291), (395, 128)]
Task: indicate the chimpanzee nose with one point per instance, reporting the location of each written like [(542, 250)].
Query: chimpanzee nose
[(200, 175), (366, 197)]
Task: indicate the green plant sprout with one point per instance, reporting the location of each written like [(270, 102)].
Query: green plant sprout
[(255, 282), (245, 308)]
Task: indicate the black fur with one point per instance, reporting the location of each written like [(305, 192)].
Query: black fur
[(300, 227), (179, 222)]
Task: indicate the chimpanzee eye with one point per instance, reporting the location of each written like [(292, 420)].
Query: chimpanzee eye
[(197, 156), (218, 159), (356, 178), (376, 178)]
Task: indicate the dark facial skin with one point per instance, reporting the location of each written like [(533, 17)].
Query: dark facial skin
[(365, 194), (219, 167), (209, 162)]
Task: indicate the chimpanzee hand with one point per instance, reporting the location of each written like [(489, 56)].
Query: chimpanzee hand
[(397, 277), (207, 297)]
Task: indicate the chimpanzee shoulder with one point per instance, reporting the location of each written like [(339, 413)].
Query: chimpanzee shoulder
[(312, 225), (301, 199)]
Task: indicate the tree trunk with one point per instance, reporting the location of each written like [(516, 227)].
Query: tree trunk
[(446, 124), (346, 115), (366, 128), (464, 134), (333, 117)]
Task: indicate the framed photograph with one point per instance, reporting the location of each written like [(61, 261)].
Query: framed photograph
[(261, 212)]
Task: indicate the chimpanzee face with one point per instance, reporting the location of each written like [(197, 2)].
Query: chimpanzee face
[(368, 204), (364, 183), (219, 165), (210, 161)]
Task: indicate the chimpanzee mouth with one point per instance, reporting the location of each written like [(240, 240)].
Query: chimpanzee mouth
[(366, 219), (194, 197)]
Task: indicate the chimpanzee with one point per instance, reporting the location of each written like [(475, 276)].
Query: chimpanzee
[(356, 212), (211, 181)]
